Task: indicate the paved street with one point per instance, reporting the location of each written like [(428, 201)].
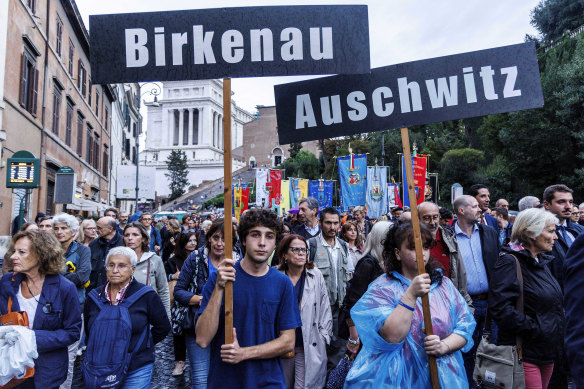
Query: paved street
[(163, 365)]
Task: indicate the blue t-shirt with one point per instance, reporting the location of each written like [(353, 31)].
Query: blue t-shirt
[(212, 268), (263, 306)]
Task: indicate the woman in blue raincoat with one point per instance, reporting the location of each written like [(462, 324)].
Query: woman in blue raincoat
[(390, 322)]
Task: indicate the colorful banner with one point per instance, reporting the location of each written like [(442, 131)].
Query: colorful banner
[(419, 169), (322, 191), (298, 190), (393, 198), (240, 196), (353, 179), (273, 186), (284, 196), (376, 191), (262, 195)]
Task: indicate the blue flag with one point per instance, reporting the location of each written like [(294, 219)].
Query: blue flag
[(322, 191), (376, 191), (353, 179)]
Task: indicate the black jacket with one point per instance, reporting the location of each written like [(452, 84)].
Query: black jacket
[(300, 230), (573, 304), (560, 251), (490, 246), (542, 324), (366, 271), (99, 248)]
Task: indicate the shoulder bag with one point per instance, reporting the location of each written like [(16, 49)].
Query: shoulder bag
[(500, 366)]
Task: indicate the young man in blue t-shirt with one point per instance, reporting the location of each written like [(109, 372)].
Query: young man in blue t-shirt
[(265, 314)]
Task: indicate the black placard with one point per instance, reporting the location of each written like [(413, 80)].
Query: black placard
[(459, 86), (229, 42)]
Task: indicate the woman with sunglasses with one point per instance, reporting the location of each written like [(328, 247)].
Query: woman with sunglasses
[(307, 367)]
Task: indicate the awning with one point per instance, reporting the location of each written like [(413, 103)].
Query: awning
[(86, 205)]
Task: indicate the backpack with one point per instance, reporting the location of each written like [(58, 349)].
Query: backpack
[(108, 357)]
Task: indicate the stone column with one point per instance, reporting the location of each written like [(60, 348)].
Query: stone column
[(201, 125), (180, 126), (190, 136)]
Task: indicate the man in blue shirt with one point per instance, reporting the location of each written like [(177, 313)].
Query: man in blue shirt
[(479, 247), (505, 226), (265, 315)]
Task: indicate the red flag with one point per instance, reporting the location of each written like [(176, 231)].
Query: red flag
[(274, 187)]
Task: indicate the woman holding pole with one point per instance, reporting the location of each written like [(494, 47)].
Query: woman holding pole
[(389, 321)]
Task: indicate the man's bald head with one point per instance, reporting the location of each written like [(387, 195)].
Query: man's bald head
[(467, 208), (106, 227)]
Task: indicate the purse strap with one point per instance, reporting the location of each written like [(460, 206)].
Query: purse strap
[(9, 306), (518, 306)]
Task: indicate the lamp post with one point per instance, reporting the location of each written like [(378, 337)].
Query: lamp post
[(155, 91)]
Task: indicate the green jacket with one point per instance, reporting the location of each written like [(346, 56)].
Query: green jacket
[(319, 254)]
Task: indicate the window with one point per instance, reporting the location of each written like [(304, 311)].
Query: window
[(79, 134), (56, 109), (69, 124), (90, 89), (81, 78), (134, 155), (29, 77), (96, 153), (32, 5), (127, 147), (134, 134), (97, 103), (71, 55), (89, 145), (59, 43), (105, 163), (106, 118)]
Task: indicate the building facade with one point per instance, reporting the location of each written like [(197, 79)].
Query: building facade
[(261, 147), (189, 118), (50, 107)]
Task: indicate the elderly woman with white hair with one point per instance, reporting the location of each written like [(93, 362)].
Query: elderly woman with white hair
[(77, 270), (541, 323), (368, 268), (105, 336)]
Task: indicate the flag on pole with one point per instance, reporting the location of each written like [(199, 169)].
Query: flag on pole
[(273, 187), (298, 190), (376, 195), (240, 199), (284, 196), (322, 191), (419, 172), (262, 195), (353, 178)]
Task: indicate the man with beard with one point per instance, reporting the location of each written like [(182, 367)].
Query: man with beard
[(481, 193)]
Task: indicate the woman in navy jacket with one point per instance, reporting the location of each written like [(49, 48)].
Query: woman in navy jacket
[(49, 299)]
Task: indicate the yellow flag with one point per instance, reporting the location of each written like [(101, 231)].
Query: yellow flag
[(285, 196)]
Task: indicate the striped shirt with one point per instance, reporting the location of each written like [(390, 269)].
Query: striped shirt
[(472, 255)]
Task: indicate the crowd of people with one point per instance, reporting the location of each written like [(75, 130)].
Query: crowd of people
[(311, 292)]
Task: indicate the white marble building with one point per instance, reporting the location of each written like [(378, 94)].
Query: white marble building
[(189, 117)]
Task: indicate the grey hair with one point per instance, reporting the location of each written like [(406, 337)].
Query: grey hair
[(124, 251), (206, 224), (581, 206), (527, 202), (312, 202), (530, 223), (70, 220), (374, 244)]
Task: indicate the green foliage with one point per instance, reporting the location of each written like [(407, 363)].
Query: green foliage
[(294, 149), (177, 173), (552, 18), (460, 165), (304, 165)]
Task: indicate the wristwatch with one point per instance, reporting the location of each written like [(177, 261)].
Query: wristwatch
[(354, 341)]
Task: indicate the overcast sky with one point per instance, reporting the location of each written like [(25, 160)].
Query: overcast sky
[(399, 30)]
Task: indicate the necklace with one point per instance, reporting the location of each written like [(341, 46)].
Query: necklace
[(30, 291)]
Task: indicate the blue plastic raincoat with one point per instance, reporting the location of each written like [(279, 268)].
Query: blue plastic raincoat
[(405, 365)]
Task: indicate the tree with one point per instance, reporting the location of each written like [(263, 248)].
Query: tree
[(552, 18), (294, 149), (304, 165), (177, 173), (459, 165)]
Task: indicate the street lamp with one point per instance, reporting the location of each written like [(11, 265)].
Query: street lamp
[(155, 91)]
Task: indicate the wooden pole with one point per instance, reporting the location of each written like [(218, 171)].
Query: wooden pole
[(228, 225), (418, 244)]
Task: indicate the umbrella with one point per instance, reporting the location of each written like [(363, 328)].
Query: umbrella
[(294, 210)]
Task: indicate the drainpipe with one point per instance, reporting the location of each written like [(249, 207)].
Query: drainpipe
[(43, 115)]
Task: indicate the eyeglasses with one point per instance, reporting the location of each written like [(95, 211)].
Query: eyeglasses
[(102, 228), (430, 218), (120, 266), (299, 250)]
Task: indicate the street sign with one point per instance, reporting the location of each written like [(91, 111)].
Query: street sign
[(23, 170), (229, 42), (433, 90)]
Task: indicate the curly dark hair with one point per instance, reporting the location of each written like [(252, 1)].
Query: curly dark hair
[(46, 248), (259, 217), (218, 226), (401, 233), (283, 248)]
